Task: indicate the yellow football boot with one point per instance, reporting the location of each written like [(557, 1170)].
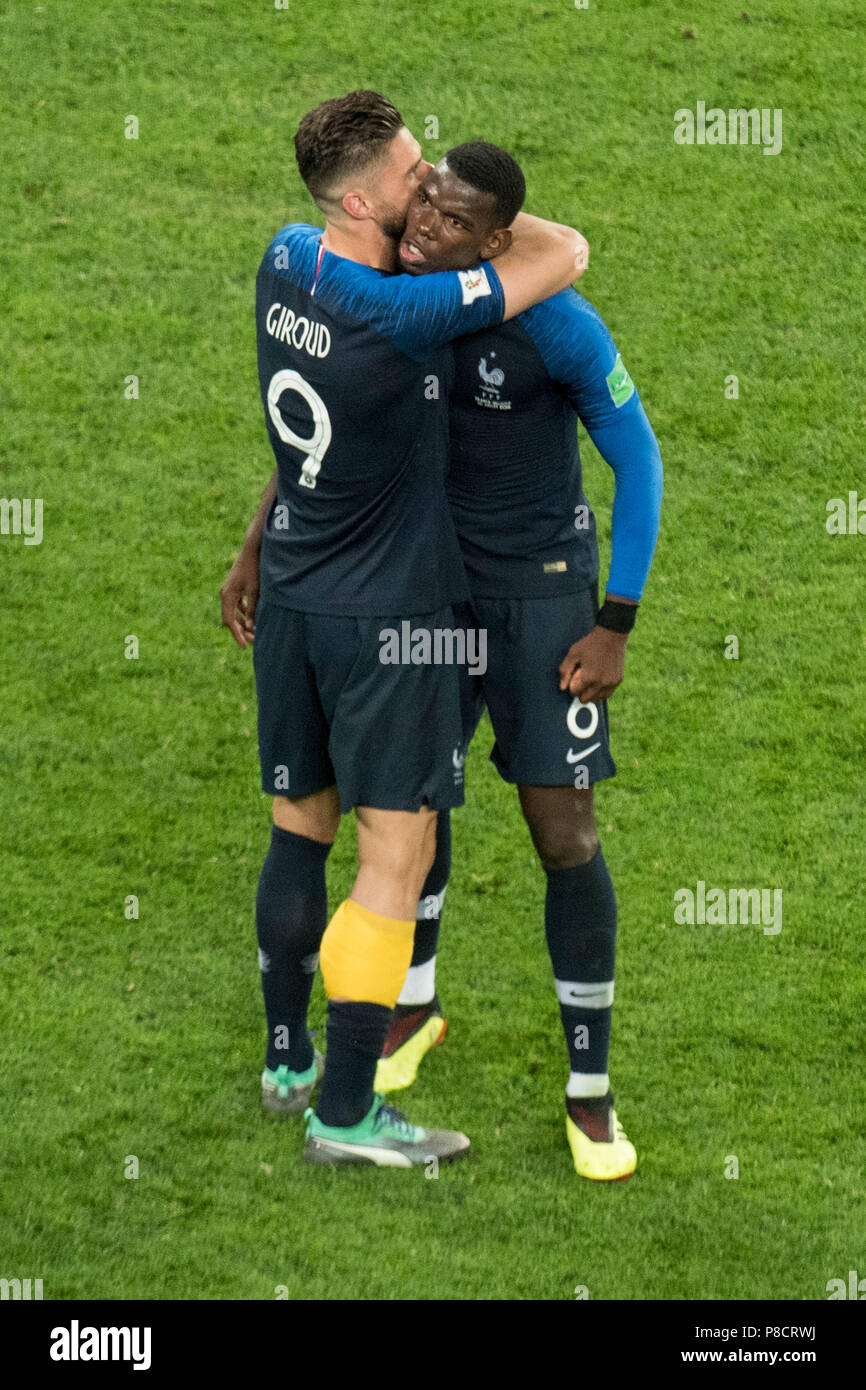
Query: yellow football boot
[(410, 1038), (598, 1142)]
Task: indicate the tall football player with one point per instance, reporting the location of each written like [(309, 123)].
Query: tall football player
[(528, 541)]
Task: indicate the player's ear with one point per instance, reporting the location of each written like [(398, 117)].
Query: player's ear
[(356, 205), (496, 243)]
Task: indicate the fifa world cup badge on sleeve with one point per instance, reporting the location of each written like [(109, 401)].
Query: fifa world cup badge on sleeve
[(475, 284), (619, 383)]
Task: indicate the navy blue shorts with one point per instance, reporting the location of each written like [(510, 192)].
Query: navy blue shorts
[(330, 711), (544, 736)]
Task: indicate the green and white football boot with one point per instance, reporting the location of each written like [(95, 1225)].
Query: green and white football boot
[(384, 1137), (286, 1092)]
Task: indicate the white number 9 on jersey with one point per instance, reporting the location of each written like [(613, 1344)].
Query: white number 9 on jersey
[(317, 445)]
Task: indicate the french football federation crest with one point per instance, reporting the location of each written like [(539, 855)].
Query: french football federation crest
[(492, 377)]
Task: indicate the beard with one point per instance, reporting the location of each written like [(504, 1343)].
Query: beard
[(392, 223)]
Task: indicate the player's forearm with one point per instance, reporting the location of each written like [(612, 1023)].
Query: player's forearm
[(253, 537), (543, 258), (632, 452), (534, 233)]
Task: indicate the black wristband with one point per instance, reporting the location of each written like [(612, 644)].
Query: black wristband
[(616, 617)]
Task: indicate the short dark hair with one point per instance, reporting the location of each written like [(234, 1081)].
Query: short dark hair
[(343, 136), (492, 170)]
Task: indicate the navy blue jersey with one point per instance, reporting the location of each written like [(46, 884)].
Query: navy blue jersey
[(354, 372), (514, 483)]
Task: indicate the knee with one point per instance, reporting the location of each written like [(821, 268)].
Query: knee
[(562, 825), (565, 847), (565, 834), (315, 817)]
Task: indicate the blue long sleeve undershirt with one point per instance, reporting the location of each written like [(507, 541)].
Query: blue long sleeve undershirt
[(628, 445)]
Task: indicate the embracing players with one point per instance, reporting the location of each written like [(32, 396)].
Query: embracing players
[(528, 542), (356, 535)]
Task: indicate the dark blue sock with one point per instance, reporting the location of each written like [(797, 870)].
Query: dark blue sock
[(356, 1034), (291, 916), (580, 923)]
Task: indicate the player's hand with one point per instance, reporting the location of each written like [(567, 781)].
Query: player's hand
[(594, 666), (239, 596), (581, 255)]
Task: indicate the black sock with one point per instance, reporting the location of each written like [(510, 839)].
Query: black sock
[(580, 922), (291, 916), (356, 1033)]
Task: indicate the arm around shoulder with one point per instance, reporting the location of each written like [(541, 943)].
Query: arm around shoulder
[(543, 258)]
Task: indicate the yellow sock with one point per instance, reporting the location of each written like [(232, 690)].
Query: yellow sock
[(364, 956)]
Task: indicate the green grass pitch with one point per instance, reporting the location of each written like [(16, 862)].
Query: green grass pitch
[(139, 777)]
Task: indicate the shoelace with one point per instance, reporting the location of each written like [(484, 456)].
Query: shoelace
[(387, 1114)]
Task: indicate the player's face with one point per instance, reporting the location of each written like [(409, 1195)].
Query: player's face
[(397, 180), (451, 225)]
